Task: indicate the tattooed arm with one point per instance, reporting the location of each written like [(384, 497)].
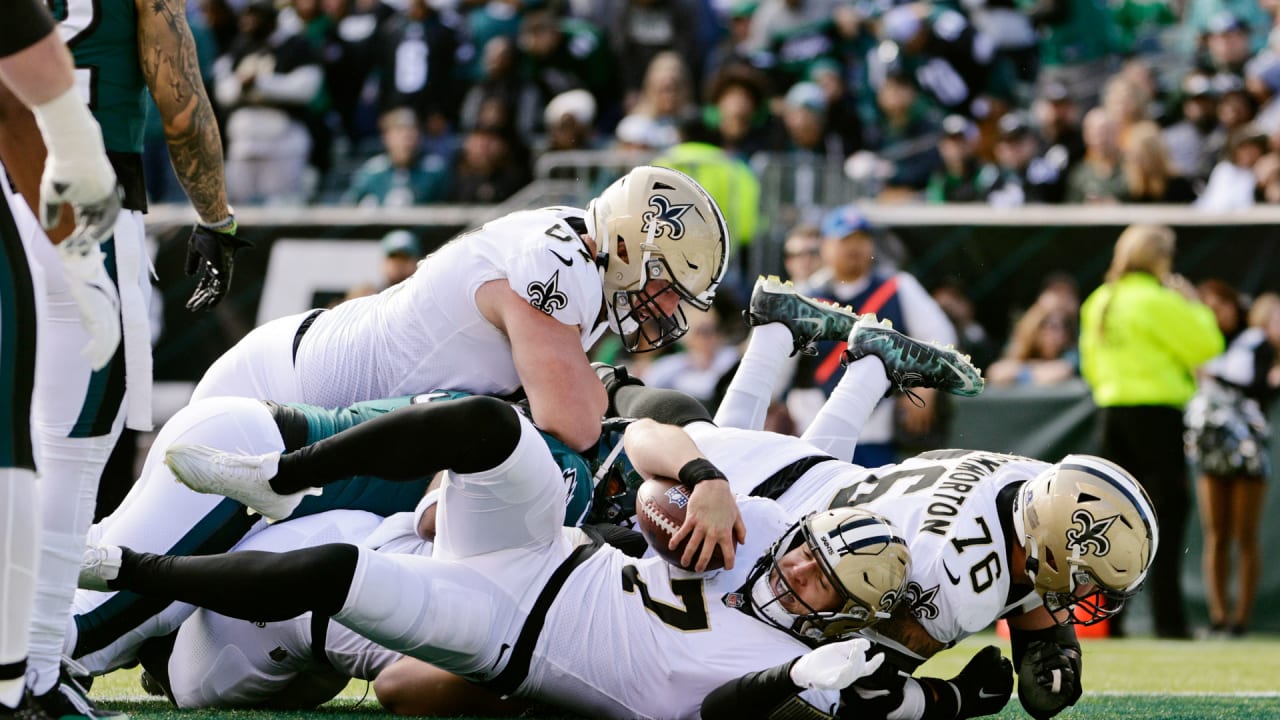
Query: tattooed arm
[(168, 55)]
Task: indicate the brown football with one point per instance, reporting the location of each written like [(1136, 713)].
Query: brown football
[(660, 511)]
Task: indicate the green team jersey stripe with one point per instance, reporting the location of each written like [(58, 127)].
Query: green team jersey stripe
[(105, 393), (17, 346)]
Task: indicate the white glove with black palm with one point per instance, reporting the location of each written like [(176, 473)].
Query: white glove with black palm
[(835, 666)]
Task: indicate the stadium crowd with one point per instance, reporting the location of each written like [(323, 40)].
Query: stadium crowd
[(409, 102)]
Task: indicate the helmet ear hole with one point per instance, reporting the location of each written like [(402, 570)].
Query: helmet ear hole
[(1050, 560), (620, 248)]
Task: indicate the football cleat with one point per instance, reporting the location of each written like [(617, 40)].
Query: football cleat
[(809, 320), (68, 701), (243, 478), (27, 710), (910, 363), (99, 565)]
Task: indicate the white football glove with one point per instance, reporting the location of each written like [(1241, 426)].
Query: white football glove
[(76, 170), (96, 298), (835, 666)]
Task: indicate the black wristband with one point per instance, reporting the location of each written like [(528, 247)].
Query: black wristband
[(697, 470)]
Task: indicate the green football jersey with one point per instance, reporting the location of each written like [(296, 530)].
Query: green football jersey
[(103, 38)]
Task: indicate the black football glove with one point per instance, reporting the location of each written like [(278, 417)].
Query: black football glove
[(985, 684), (211, 258), (1049, 679)]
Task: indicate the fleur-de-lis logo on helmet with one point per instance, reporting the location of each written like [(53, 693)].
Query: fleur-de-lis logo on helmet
[(547, 296), (664, 217), (1091, 533)]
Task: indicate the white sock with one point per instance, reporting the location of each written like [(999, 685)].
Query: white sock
[(746, 401), (19, 540), (69, 475), (836, 427)]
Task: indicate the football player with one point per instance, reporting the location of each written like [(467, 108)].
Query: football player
[(122, 49), (36, 72), (500, 599), (512, 305)]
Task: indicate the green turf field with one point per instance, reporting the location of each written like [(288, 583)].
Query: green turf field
[(1130, 678)]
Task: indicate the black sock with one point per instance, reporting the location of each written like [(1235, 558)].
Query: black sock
[(467, 435), (250, 585)]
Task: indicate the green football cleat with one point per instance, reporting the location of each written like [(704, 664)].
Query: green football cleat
[(911, 363), (809, 320)]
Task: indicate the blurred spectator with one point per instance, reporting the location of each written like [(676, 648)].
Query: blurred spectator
[(729, 181), (418, 50), (1141, 24), (1079, 41), (1019, 176), (486, 170), (402, 175), (1236, 107), (401, 251), (971, 336), (904, 137), (1226, 45), (222, 21), (807, 162), (1262, 80), (739, 112), (641, 30), (1200, 16), (1142, 74), (266, 83), (1011, 31), (802, 252), (792, 53), (1232, 184), (1228, 437), (1148, 173), (1042, 350), (487, 21), (733, 50), (1142, 335), (774, 17), (1191, 140), (957, 179), (849, 277), (565, 54), (1057, 117), (950, 60), (501, 84), (1098, 177), (707, 354), (1061, 293), (665, 97), (1125, 103), (1228, 306), (1267, 173), (842, 108), (344, 41), (570, 119)]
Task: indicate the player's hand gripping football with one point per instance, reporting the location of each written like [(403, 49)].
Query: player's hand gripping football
[(835, 666), (211, 258), (1049, 679), (985, 684), (713, 521)]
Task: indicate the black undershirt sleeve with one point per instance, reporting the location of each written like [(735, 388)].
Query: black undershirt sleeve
[(666, 406), (26, 23), (468, 435)]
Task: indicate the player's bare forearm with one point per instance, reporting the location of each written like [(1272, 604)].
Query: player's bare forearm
[(169, 64), (908, 631)]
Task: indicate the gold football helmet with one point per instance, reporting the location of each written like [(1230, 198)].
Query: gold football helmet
[(1090, 533), (655, 223), (863, 556)]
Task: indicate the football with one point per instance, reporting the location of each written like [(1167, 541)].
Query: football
[(660, 511)]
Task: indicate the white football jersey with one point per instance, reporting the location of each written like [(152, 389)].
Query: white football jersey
[(629, 638), (427, 333), (748, 457), (944, 504)]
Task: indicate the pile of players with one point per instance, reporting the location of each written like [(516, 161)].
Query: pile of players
[(514, 577)]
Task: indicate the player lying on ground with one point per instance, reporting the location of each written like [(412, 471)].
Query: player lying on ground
[(503, 599)]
